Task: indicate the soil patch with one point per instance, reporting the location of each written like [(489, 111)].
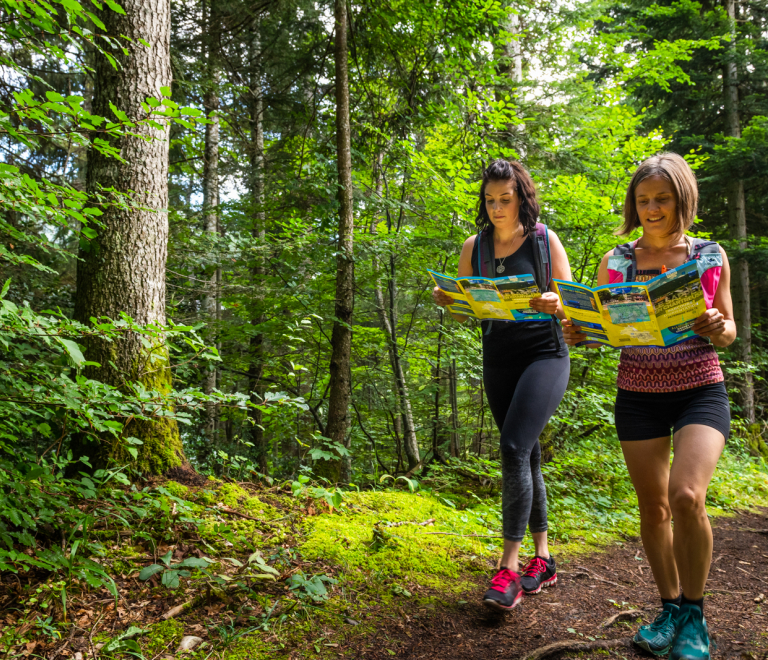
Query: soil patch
[(589, 592)]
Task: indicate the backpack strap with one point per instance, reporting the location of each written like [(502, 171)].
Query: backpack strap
[(542, 258), (623, 263), (486, 259), (542, 263), (486, 262), (707, 255)]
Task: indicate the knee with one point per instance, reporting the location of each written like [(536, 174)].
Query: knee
[(685, 501), (655, 513)]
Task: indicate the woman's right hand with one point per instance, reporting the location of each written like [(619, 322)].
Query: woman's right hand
[(441, 297), (573, 334)]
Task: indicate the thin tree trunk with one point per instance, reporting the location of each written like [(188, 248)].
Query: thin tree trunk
[(738, 223), (123, 268), (438, 380), (453, 387), (256, 369), (341, 338), (388, 322), (211, 208)]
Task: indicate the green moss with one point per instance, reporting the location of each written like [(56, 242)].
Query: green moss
[(231, 494), (252, 648), (409, 553), (177, 489), (162, 638)]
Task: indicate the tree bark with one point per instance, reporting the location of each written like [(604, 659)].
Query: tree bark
[(454, 395), (211, 209), (388, 321), (341, 337), (256, 369), (123, 268), (738, 223)]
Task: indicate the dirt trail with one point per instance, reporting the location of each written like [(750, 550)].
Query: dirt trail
[(575, 609)]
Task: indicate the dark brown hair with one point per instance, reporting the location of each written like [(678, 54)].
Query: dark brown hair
[(510, 170), (674, 169)]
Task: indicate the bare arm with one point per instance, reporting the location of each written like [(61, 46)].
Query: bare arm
[(717, 323), (465, 270), (549, 303), (572, 333)]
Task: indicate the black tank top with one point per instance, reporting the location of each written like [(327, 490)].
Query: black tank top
[(532, 340)]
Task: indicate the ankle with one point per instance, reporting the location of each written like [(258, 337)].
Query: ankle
[(673, 601), (698, 602)]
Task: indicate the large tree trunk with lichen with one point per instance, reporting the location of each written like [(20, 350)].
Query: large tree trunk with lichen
[(341, 337), (123, 268), (738, 225)]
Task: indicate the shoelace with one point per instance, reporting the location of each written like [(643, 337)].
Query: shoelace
[(535, 567), (501, 580), (684, 618), (664, 623)]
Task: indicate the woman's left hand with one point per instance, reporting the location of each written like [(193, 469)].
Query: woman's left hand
[(710, 324), (547, 303)]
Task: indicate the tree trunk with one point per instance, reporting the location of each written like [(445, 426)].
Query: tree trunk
[(123, 268), (341, 337), (256, 369), (211, 212), (738, 223), (454, 395), (388, 322)]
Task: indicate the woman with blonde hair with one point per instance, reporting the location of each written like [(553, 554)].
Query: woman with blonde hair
[(677, 390)]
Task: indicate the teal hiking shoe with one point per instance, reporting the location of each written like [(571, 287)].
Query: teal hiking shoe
[(692, 639), (657, 638)]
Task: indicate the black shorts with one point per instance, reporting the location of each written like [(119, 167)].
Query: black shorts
[(646, 415)]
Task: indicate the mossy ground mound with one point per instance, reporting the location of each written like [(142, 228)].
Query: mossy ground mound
[(330, 578)]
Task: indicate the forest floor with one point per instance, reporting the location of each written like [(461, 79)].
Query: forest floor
[(616, 587), (388, 574)]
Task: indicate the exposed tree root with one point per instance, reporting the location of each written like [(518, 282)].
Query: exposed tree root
[(576, 646), (627, 615)]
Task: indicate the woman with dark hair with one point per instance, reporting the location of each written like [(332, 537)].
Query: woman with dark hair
[(525, 371), (679, 389)]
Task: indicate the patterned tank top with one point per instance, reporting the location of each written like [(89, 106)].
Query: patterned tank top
[(686, 365)]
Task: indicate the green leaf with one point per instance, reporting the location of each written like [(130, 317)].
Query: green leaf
[(6, 286), (171, 579), (73, 350), (194, 562), (149, 571)]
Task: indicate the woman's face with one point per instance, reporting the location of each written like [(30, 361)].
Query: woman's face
[(502, 203), (656, 204)]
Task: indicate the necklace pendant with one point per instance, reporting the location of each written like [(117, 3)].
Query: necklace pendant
[(500, 268)]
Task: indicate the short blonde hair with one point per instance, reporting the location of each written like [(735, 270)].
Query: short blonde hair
[(674, 169)]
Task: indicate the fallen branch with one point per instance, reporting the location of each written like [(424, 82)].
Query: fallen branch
[(175, 611), (754, 531), (232, 512), (575, 646), (627, 615), (431, 521), (479, 536)]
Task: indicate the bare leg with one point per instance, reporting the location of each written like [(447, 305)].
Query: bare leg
[(697, 450), (511, 555), (648, 465)]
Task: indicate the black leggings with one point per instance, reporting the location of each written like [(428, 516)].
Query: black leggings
[(522, 399)]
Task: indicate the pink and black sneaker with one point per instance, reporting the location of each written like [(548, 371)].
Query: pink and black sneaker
[(537, 574), (505, 591)]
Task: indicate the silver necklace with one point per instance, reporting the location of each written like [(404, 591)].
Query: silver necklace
[(500, 268)]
